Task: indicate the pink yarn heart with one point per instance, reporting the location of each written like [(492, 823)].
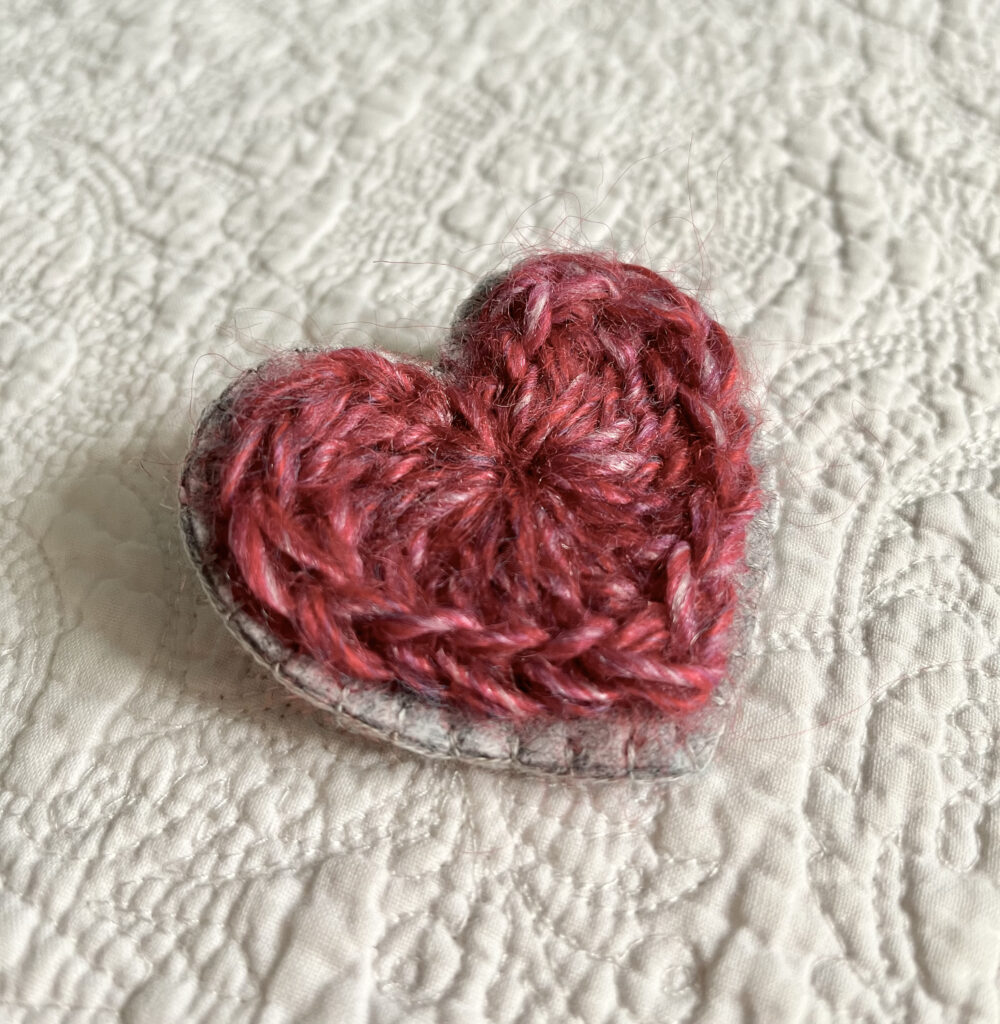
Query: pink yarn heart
[(552, 523)]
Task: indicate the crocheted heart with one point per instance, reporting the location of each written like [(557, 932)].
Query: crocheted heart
[(534, 550)]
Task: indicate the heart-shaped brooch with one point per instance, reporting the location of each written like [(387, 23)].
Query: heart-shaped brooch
[(530, 555)]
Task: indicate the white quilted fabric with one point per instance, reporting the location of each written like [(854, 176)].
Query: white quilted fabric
[(186, 187)]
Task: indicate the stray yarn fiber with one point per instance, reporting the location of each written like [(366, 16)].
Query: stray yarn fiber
[(550, 523)]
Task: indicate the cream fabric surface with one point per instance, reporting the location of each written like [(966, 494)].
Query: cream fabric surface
[(187, 187)]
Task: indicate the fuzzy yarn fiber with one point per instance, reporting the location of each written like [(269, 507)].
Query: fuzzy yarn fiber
[(551, 522)]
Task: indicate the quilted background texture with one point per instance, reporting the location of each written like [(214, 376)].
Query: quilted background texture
[(186, 187)]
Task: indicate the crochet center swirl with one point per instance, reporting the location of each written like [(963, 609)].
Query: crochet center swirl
[(551, 523)]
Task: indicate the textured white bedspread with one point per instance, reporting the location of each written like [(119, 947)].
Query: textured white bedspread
[(186, 187)]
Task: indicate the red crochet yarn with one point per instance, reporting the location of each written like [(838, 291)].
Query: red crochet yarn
[(552, 523)]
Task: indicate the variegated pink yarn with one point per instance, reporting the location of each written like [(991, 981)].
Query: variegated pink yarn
[(551, 523)]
